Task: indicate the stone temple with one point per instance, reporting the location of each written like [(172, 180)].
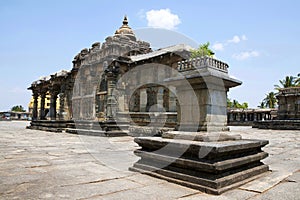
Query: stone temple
[(174, 106)]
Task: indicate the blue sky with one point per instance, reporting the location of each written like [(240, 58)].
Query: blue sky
[(258, 39)]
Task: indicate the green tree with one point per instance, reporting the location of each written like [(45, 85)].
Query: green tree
[(203, 50), (235, 104), (18, 108), (261, 105), (244, 105), (229, 103), (297, 81), (270, 100), (289, 81)]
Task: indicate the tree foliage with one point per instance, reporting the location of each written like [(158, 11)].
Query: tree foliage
[(288, 81), (203, 50), (270, 100), (262, 105), (297, 81), (18, 108), (236, 104)]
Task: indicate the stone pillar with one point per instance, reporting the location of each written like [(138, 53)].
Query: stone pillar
[(53, 98), (135, 101), (67, 106), (61, 106), (140, 100), (151, 98), (202, 105), (172, 99), (35, 106), (238, 116), (166, 99), (42, 105), (230, 116), (111, 107)]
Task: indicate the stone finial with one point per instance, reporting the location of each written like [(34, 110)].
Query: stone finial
[(125, 21), (125, 29)]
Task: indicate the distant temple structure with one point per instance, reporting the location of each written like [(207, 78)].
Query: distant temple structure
[(85, 93), (248, 117), (288, 114), (13, 115)]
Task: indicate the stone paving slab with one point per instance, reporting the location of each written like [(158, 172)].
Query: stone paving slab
[(46, 165)]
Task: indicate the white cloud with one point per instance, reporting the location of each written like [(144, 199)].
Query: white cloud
[(162, 18), (245, 55), (218, 46), (235, 39), (244, 37)]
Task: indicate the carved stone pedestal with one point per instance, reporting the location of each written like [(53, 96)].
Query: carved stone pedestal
[(201, 153), (211, 164)]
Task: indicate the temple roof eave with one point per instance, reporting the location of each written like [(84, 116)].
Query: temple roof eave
[(46, 80), (171, 49)]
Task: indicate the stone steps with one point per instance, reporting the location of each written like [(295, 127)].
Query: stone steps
[(97, 132), (96, 128), (211, 167)]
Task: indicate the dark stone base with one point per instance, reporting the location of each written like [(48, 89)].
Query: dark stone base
[(147, 131), (240, 123), (211, 167), (96, 132), (49, 125), (95, 128), (278, 124)]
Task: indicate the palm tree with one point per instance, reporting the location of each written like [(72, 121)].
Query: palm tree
[(235, 104), (261, 105), (289, 81), (270, 100)]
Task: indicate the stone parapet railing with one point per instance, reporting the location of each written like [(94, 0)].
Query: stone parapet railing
[(289, 91), (204, 61)]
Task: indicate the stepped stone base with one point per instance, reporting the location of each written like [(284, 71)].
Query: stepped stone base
[(49, 125), (278, 124), (95, 128), (213, 166)]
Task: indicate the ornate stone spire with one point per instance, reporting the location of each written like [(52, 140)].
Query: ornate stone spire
[(125, 29)]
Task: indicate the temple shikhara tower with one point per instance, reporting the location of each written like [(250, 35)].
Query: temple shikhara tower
[(175, 106)]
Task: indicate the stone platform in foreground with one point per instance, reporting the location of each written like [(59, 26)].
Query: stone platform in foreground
[(46, 165), (212, 167)]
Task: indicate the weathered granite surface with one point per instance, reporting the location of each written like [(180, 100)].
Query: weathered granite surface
[(45, 165)]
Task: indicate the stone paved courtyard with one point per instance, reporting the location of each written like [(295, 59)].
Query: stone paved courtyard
[(45, 165)]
